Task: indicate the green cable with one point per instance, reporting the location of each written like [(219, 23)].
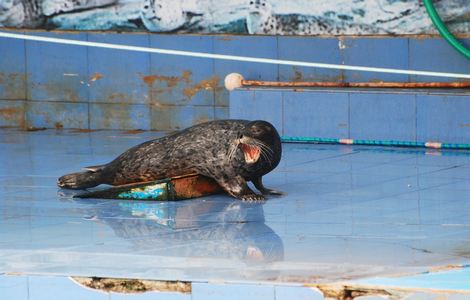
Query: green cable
[(289, 139), (445, 33)]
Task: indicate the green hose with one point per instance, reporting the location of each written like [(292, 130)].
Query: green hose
[(315, 140), (445, 33)]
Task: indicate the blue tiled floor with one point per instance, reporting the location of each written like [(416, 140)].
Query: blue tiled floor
[(350, 213)]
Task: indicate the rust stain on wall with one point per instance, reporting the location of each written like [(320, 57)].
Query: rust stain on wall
[(171, 81), (119, 97), (78, 130), (225, 38), (206, 84), (169, 84), (14, 85), (149, 79), (201, 120), (10, 113), (176, 84), (133, 131), (95, 77), (186, 75)]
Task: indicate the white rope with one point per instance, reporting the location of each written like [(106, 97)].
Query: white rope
[(229, 57)]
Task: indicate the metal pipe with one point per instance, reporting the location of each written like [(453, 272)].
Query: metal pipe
[(380, 84)]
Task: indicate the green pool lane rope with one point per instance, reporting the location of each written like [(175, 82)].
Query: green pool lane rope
[(442, 28), (434, 145)]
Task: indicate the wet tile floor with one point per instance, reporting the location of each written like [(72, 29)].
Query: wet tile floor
[(350, 213)]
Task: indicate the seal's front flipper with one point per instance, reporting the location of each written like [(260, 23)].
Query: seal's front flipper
[(258, 182), (238, 188)]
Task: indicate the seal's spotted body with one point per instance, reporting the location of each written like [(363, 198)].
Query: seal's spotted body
[(231, 152)]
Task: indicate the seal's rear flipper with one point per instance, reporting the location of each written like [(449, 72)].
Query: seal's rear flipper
[(80, 180)]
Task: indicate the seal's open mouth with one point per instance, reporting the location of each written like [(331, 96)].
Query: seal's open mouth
[(251, 153)]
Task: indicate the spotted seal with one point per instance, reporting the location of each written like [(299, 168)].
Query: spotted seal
[(261, 19), (232, 152)]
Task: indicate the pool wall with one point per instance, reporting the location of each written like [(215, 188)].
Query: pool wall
[(45, 85)]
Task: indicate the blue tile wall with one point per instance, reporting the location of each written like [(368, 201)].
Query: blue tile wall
[(40, 114), (211, 291), (179, 117), (435, 54), (185, 116), (443, 118), (47, 287), (119, 116), (375, 52), (311, 49), (134, 90), (382, 116), (441, 281), (117, 76), (160, 117), (253, 46), (150, 296), (221, 113), (298, 292), (316, 114), (12, 70), (56, 72), (177, 80), (252, 106)]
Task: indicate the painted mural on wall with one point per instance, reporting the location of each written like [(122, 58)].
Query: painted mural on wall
[(270, 17)]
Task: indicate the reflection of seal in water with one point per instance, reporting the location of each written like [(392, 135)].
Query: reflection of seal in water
[(231, 152), (209, 229)]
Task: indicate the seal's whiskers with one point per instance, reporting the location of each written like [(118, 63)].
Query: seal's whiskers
[(266, 151), (233, 149)]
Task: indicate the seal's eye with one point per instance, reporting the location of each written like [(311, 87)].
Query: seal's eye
[(240, 136), (257, 130)]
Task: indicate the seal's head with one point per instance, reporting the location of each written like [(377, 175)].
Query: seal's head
[(260, 8), (258, 140), (259, 14)]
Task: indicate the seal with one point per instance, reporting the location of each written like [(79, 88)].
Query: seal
[(232, 152), (261, 19)]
